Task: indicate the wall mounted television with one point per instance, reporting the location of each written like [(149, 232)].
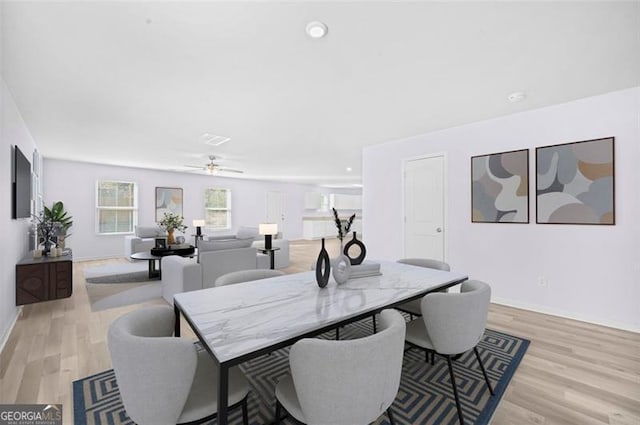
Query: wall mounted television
[(21, 185)]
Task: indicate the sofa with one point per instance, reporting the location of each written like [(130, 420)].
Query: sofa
[(243, 233), (215, 258)]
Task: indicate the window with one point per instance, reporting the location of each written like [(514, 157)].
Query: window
[(217, 208), (116, 207)]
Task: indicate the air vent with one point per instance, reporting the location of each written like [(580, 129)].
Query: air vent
[(213, 140)]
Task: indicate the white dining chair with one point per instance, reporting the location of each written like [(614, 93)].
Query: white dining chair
[(413, 307), (452, 324), (165, 380), (246, 276), (347, 382)]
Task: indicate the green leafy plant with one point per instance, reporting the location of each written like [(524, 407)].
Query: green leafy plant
[(171, 222), (57, 214), (342, 232)]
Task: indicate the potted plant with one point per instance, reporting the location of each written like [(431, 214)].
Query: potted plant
[(57, 214), (342, 230), (170, 222)]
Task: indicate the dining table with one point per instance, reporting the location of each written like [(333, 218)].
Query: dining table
[(237, 323)]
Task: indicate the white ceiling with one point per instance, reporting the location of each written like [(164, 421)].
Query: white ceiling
[(138, 83)]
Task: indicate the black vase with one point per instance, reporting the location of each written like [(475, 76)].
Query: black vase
[(363, 251), (323, 267)]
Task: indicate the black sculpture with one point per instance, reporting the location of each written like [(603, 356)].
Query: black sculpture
[(323, 267), (363, 251)]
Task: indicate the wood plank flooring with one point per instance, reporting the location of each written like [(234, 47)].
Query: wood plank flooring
[(573, 373)]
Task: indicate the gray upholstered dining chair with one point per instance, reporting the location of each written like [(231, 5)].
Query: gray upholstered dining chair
[(166, 380), (413, 307), (348, 382), (452, 324), (246, 276)]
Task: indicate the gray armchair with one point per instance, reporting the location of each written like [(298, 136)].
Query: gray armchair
[(350, 382), (166, 380), (452, 324)]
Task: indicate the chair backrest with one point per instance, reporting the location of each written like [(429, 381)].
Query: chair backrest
[(426, 262), (154, 370), (246, 276), (349, 382), (455, 322)]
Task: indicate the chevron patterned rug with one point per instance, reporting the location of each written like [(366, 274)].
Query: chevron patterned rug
[(425, 395)]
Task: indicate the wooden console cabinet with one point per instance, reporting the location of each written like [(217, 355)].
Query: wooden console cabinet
[(43, 279)]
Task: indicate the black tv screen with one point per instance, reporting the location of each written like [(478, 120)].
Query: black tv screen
[(21, 185)]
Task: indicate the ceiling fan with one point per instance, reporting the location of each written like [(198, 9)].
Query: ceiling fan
[(213, 168)]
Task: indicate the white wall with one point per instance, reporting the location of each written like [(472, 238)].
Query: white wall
[(592, 271), (74, 184), (15, 233)]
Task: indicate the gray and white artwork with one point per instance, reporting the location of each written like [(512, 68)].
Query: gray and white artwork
[(575, 183), (500, 187)]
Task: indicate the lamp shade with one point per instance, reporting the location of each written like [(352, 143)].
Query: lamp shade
[(268, 228), (198, 223)]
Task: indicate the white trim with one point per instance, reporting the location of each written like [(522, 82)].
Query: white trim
[(445, 192), (5, 337), (565, 314)]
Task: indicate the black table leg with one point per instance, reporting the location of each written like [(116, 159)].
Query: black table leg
[(223, 394), (272, 259), (176, 325)]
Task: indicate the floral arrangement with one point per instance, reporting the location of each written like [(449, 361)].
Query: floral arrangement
[(341, 233), (171, 222)]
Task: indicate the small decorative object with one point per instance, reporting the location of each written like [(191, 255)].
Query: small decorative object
[(342, 231), (575, 183), (268, 230), (363, 251), (37, 253), (500, 187), (341, 269), (171, 222), (161, 243), (323, 267), (168, 200), (47, 229)]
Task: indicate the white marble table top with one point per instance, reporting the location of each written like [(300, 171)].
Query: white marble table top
[(240, 319)]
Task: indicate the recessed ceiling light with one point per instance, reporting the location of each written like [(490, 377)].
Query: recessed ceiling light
[(349, 169), (516, 96), (316, 29)]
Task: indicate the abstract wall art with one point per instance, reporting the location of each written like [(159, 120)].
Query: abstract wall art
[(500, 187), (575, 183), (168, 200)]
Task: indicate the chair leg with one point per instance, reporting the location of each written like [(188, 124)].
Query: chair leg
[(390, 415), (276, 421), (455, 390), (337, 333), (484, 372), (373, 318), (433, 358), (410, 316), (426, 356), (245, 412)]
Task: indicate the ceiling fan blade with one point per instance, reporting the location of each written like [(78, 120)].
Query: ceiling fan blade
[(195, 166), (229, 170)]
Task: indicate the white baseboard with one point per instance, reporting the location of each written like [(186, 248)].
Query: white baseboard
[(9, 329), (102, 257), (566, 314)]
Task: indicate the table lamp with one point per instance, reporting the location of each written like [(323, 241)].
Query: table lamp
[(267, 229), (198, 224)]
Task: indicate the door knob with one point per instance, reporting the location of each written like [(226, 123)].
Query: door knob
[(439, 230)]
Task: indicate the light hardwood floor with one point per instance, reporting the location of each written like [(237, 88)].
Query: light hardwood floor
[(573, 372)]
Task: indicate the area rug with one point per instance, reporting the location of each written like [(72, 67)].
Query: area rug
[(117, 273), (425, 395)]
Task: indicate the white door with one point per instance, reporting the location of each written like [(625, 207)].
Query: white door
[(424, 201), (275, 209)]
